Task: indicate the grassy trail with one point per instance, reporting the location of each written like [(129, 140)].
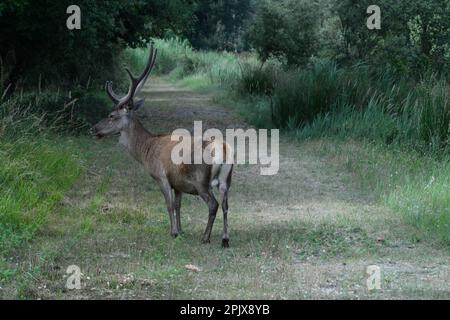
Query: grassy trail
[(305, 233)]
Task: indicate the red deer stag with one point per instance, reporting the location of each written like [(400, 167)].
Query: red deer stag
[(154, 153)]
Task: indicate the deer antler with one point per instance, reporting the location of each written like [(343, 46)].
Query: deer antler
[(114, 97), (136, 83)]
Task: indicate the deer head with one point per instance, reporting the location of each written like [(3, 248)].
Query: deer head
[(125, 107)]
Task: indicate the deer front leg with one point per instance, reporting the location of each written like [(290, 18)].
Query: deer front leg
[(178, 196), (166, 189)]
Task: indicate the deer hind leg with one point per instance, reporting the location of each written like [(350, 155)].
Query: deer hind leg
[(213, 206), (178, 196), (168, 196), (224, 196), (224, 185)]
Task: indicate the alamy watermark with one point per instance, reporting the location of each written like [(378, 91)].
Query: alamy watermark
[(374, 280), (74, 280), (374, 21), (239, 147), (73, 22)]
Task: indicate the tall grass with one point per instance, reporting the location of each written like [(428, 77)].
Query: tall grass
[(419, 121), (36, 168), (257, 79), (358, 102), (195, 68), (425, 202)]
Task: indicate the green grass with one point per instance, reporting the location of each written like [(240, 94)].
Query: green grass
[(414, 186), (34, 176), (37, 168), (425, 202)]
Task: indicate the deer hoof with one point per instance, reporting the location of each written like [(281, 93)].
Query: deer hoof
[(174, 235), (206, 241), (225, 243)]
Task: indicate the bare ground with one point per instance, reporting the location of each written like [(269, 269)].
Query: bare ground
[(306, 233)]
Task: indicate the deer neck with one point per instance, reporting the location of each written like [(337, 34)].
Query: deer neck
[(136, 139)]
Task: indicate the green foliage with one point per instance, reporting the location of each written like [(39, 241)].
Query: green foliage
[(414, 35), (285, 29), (431, 115), (259, 80), (35, 43), (89, 108), (219, 25)]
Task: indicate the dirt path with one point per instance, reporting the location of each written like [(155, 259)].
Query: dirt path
[(304, 233)]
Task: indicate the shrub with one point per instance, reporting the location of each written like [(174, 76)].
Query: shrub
[(300, 95), (285, 29), (257, 80)]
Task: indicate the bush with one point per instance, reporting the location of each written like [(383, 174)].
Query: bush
[(413, 37), (285, 29), (300, 95), (90, 107), (171, 53), (257, 80)]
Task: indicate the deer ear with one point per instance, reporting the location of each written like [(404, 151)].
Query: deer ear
[(138, 104)]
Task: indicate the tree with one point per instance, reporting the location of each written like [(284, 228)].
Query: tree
[(286, 29), (35, 40), (219, 24), (414, 36)]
